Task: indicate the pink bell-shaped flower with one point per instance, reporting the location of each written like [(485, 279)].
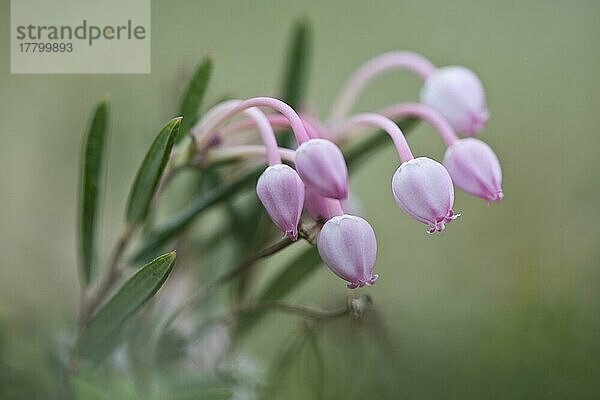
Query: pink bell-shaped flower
[(474, 168), (457, 93), (423, 189), (281, 192), (320, 164), (348, 246)]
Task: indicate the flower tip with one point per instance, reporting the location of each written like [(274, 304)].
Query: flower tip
[(372, 280), (477, 123), (440, 225), (343, 192), (355, 285), (292, 234), (497, 197), (368, 282)]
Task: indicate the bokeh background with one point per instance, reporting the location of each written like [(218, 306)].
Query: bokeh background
[(504, 304)]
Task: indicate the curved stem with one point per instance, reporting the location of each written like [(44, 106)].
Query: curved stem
[(211, 121), (381, 122), (355, 306), (256, 117), (233, 152), (276, 120), (372, 69), (112, 275), (267, 134), (207, 290), (303, 311), (313, 127), (434, 118)]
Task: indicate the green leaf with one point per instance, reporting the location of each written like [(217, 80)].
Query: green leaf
[(106, 323), (91, 176), (175, 226), (149, 174), (296, 73), (194, 94), (295, 78)]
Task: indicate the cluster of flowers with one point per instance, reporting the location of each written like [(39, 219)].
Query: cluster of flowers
[(452, 100)]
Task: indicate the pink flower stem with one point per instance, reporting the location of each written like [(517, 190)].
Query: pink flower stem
[(245, 151), (202, 131), (434, 118), (256, 116), (380, 122), (312, 126), (372, 69), (267, 134)]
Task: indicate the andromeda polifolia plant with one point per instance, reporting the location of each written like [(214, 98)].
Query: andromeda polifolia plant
[(241, 198)]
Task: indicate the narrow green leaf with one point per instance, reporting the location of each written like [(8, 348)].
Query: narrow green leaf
[(296, 73), (175, 226), (107, 322), (89, 197), (150, 172), (194, 94), (295, 78)]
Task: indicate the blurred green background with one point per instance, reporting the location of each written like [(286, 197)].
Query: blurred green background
[(504, 304)]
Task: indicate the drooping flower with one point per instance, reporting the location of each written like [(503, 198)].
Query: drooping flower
[(457, 93), (474, 168), (281, 192), (424, 190), (320, 164), (348, 246), (471, 163)]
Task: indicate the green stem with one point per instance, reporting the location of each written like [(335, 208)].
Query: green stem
[(311, 313), (203, 293), (113, 274)]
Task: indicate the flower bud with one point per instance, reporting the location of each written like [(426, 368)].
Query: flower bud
[(281, 192), (474, 168), (348, 246), (423, 189), (320, 164), (457, 94)]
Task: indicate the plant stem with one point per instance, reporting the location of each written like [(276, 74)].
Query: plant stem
[(207, 290), (112, 275), (354, 306), (303, 311), (292, 309)]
